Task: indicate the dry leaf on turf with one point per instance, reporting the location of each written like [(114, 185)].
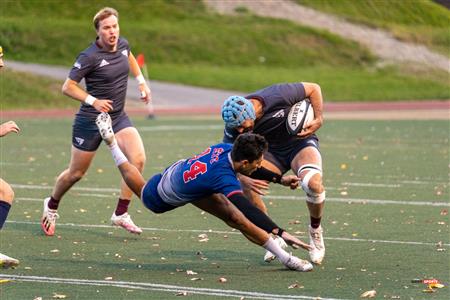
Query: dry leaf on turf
[(190, 272), (59, 296), (181, 294), (369, 294), (222, 280)]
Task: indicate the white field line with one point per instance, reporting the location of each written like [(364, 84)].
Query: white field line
[(181, 127), (156, 287), (227, 232), (299, 198)]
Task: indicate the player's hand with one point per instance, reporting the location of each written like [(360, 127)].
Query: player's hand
[(312, 127), (145, 92), (103, 105), (8, 127), (294, 242), (291, 181), (258, 186)]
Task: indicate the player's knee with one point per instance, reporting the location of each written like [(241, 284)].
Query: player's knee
[(139, 161), (312, 183), (6, 192), (75, 176)]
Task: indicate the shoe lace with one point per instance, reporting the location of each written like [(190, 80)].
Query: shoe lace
[(52, 216), (317, 238)]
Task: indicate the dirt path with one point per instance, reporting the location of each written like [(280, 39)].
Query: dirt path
[(381, 43)]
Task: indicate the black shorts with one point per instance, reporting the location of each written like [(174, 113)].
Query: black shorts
[(85, 135), (282, 155)]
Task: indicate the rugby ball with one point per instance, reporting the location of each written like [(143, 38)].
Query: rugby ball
[(300, 115)]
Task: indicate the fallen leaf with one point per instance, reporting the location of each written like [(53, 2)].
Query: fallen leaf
[(4, 281), (222, 280), (295, 286), (196, 278), (181, 294), (38, 298), (190, 272), (59, 296), (54, 251), (444, 212), (428, 291), (108, 278), (343, 166), (369, 294), (203, 240)]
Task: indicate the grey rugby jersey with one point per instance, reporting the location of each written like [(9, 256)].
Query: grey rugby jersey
[(277, 100), (105, 74)]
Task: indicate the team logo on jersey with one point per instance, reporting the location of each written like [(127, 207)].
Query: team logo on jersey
[(125, 52), (77, 65), (79, 140), (278, 114), (103, 63)]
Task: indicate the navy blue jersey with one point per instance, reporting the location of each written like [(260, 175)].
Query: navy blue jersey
[(277, 100), (105, 74), (207, 173)]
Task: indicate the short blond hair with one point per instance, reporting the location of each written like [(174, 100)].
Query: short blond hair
[(104, 13)]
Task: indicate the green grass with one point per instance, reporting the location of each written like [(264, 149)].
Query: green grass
[(395, 160), (20, 90), (418, 21), (185, 43)]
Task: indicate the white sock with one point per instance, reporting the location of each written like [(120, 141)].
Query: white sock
[(273, 247), (117, 154)]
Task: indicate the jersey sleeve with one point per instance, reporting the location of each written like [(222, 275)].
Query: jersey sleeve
[(227, 184), (293, 92), (82, 66)]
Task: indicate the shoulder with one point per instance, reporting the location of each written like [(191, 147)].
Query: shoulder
[(123, 42)]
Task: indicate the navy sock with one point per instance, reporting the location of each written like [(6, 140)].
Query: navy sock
[(4, 210), (122, 206), (315, 222), (53, 203)]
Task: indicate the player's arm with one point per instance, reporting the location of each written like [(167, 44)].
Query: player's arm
[(72, 89), (262, 173), (260, 219), (314, 93), (8, 127), (144, 89)]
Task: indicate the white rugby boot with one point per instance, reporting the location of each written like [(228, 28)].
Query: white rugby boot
[(104, 125), (316, 241), (48, 220), (8, 262), (297, 264), (269, 256), (125, 221)]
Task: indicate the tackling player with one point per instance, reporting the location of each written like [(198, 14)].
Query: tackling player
[(208, 180), (104, 65), (6, 192), (265, 112)]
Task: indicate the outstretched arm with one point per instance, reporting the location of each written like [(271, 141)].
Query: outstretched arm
[(8, 127)]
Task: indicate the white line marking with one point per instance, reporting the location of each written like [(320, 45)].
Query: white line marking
[(157, 287), (227, 232), (365, 201), (180, 127), (299, 198), (371, 184)]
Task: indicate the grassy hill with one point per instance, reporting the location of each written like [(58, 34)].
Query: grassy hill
[(184, 42)]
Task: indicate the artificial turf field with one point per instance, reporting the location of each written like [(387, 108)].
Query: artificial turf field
[(386, 219)]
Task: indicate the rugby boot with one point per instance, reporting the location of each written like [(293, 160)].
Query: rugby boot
[(48, 221), (125, 222), (316, 242)]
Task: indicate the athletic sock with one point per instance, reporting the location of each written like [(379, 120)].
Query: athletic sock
[(53, 203), (122, 206), (273, 247), (117, 154), (315, 222), (4, 210)]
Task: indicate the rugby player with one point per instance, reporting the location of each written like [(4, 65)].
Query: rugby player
[(265, 112), (104, 65), (208, 180), (6, 192)]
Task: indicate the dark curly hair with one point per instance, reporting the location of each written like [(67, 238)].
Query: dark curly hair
[(248, 146)]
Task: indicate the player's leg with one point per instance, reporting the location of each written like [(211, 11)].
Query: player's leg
[(219, 206), (6, 199), (307, 164), (131, 145), (79, 163)]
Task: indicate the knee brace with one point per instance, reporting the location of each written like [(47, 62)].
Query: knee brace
[(311, 196)]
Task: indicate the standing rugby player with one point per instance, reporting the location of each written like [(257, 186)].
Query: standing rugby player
[(265, 112), (105, 66), (6, 192)]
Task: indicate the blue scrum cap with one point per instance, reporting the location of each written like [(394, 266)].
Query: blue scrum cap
[(235, 110)]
